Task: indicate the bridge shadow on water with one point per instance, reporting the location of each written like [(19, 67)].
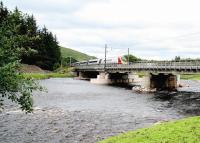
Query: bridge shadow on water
[(121, 85)]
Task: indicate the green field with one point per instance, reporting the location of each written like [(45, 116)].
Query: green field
[(47, 75), (32, 71), (190, 76), (181, 131), (67, 52), (183, 76), (59, 73)]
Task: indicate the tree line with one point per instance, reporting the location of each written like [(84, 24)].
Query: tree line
[(37, 46)]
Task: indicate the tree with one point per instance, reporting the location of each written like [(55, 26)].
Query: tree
[(49, 55), (177, 58), (65, 61), (3, 12), (131, 58), (13, 85), (39, 46)]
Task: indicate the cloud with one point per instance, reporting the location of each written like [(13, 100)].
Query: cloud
[(49, 6), (151, 29)]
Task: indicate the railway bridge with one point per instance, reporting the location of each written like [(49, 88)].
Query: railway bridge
[(159, 75)]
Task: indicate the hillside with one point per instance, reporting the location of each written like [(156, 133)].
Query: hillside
[(67, 52)]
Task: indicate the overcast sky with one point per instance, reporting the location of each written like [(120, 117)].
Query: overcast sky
[(151, 29)]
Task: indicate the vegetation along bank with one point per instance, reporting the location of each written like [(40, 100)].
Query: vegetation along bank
[(181, 131)]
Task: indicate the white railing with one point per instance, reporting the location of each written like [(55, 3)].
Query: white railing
[(185, 66)]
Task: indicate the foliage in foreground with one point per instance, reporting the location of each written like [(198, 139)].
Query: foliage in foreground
[(13, 85), (17, 88), (181, 131)]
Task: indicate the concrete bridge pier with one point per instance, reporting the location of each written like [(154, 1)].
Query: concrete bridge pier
[(114, 78), (85, 75), (161, 81), (81, 75), (133, 77), (102, 78)]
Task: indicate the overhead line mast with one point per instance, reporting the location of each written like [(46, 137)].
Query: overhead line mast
[(105, 57)]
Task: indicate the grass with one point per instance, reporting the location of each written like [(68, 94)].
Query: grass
[(190, 76), (181, 131), (141, 74), (183, 76), (47, 75), (32, 71), (59, 73), (67, 52)]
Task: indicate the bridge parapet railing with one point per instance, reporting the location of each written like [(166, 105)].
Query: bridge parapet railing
[(148, 65), (167, 64)]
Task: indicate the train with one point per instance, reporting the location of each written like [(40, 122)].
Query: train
[(99, 61)]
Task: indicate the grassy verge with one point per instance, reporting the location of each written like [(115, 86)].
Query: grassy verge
[(181, 131), (141, 74), (190, 76), (59, 73), (183, 76), (47, 75)]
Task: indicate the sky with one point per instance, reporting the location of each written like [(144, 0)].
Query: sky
[(151, 29)]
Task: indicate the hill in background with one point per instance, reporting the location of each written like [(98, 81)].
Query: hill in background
[(67, 52)]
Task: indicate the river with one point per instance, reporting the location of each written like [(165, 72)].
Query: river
[(75, 111)]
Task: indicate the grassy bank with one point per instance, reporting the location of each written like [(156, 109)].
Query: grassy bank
[(67, 52), (181, 131), (183, 76), (47, 75), (59, 73), (190, 76)]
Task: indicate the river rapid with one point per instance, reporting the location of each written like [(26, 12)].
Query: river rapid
[(75, 111)]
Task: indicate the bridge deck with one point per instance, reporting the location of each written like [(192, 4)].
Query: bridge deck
[(164, 66)]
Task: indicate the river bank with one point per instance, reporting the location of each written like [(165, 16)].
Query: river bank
[(32, 71), (190, 76), (181, 131), (182, 76), (48, 75), (69, 74)]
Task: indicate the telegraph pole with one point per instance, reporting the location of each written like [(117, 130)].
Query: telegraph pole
[(61, 63), (70, 60), (105, 57), (128, 56)]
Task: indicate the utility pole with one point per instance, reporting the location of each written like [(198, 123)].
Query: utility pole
[(105, 57), (128, 56), (70, 61), (61, 63)]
